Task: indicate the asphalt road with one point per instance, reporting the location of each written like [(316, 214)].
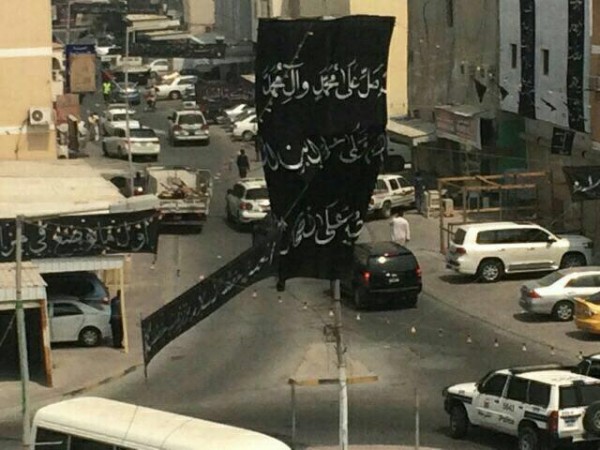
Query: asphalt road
[(234, 366)]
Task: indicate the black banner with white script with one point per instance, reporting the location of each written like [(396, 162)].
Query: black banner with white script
[(176, 317), (321, 103), (584, 182), (89, 235)]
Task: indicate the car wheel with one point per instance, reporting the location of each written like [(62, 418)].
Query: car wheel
[(90, 337), (247, 136), (490, 270), (572, 260), (358, 298), (591, 419), (459, 422), (563, 311), (386, 210), (529, 438), (175, 95)]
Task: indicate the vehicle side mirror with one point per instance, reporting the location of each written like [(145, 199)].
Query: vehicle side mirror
[(551, 240)]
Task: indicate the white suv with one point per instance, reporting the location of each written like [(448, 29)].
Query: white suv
[(492, 249), (542, 405), (248, 201)]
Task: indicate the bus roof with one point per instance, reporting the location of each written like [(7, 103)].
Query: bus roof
[(143, 428)]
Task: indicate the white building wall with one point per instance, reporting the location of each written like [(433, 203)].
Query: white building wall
[(510, 34)]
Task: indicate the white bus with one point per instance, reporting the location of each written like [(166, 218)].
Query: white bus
[(91, 423)]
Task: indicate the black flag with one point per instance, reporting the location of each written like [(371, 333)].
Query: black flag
[(584, 182), (321, 102)]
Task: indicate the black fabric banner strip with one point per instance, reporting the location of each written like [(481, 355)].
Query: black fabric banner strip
[(584, 182), (575, 69), (527, 93), (176, 317), (90, 235)]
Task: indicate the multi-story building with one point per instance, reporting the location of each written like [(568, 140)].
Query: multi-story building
[(26, 127)]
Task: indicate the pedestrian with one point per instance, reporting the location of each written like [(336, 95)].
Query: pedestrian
[(106, 90), (116, 320), (243, 163), (419, 192), (93, 121), (400, 229)]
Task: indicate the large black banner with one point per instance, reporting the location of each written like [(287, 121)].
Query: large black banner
[(201, 300), (321, 102), (584, 182), (89, 235)]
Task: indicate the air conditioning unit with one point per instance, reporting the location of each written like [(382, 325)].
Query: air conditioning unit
[(39, 115)]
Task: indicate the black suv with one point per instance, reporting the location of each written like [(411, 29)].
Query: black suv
[(383, 271)]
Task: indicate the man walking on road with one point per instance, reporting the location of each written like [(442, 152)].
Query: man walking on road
[(400, 229), (106, 90), (243, 163), (116, 320)]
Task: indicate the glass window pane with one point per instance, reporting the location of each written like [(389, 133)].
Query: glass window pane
[(517, 389), (539, 394), (49, 439), (494, 385)]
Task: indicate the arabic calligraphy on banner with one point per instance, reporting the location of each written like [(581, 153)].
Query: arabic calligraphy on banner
[(584, 182), (321, 102), (89, 235), (201, 300)]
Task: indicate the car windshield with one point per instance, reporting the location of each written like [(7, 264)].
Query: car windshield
[(392, 262), (190, 119), (142, 133), (459, 236), (257, 194), (119, 117), (550, 278), (579, 395)]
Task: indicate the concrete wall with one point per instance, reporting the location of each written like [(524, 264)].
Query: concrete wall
[(199, 14), (444, 58), (25, 79), (235, 19)]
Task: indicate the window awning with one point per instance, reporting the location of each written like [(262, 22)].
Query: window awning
[(412, 131)]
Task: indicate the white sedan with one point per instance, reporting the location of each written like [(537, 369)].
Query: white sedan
[(143, 142), (74, 321), (245, 129)]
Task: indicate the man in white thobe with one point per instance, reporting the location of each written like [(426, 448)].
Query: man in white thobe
[(400, 229)]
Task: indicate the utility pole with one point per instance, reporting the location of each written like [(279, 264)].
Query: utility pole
[(22, 332), (341, 357), (127, 130)]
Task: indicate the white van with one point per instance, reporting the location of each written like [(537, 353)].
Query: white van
[(91, 423)]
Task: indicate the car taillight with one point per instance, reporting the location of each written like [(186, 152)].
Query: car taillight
[(461, 250), (553, 422), (244, 206), (533, 294), (366, 276), (418, 271)]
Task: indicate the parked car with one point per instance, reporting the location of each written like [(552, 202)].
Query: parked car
[(246, 128), (142, 140), (117, 118), (554, 294), (86, 286), (159, 67), (251, 111), (248, 201), (74, 321), (188, 125), (126, 93), (589, 365), (173, 89), (587, 313), (383, 271), (490, 250), (234, 112), (543, 406), (391, 191)]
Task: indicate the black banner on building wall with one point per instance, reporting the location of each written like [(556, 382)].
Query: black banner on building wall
[(89, 235), (584, 182), (321, 102), (176, 317), (528, 48)]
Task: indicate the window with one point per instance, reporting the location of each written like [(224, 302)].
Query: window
[(380, 186), (546, 61), (393, 263), (494, 385), (66, 309), (536, 235), (594, 371), (583, 281), (513, 56), (403, 182), (450, 12), (517, 389), (394, 184), (50, 439), (238, 190), (486, 237), (579, 395), (257, 194), (539, 394)]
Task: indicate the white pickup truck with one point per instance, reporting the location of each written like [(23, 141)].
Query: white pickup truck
[(391, 191), (184, 193)]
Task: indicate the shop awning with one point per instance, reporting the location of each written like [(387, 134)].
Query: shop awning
[(76, 264), (412, 131), (33, 287)]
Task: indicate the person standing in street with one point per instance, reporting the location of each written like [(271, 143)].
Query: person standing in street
[(243, 163), (400, 229), (106, 90), (116, 320)]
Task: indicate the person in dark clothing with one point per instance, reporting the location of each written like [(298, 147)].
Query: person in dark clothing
[(116, 320), (243, 163)]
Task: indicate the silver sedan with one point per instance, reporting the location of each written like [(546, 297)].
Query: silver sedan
[(554, 293)]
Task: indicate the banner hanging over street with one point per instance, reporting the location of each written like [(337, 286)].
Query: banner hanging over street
[(321, 103), (89, 235), (584, 182)]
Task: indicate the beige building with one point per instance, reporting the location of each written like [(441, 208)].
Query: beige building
[(199, 15), (26, 81)]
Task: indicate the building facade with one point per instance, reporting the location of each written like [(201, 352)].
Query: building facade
[(199, 15), (26, 81)]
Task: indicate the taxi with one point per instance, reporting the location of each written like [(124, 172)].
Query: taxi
[(587, 313)]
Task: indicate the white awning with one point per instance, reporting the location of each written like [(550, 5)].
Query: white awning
[(76, 264), (33, 286), (413, 131)]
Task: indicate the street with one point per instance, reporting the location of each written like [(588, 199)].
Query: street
[(233, 367)]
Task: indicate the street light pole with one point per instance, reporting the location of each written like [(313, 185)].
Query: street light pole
[(341, 357), (22, 332), (127, 130)]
